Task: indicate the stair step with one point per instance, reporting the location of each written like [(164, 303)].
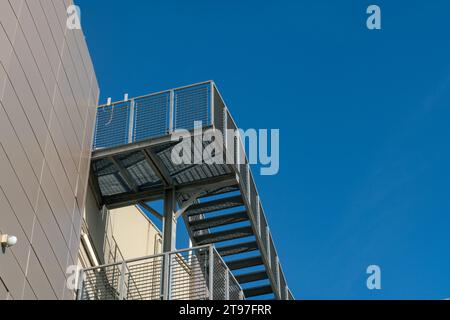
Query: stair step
[(257, 291), (223, 236), (215, 205), (244, 263), (219, 221), (238, 248), (252, 277)]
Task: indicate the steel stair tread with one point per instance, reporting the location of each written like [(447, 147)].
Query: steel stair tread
[(238, 248), (252, 277), (257, 291), (215, 205), (225, 235), (245, 263), (219, 221)]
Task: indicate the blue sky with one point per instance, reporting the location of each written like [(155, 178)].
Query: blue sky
[(364, 119)]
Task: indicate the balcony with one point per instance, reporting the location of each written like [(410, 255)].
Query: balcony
[(191, 274)]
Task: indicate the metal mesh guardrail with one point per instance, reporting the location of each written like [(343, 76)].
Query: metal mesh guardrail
[(112, 125), (191, 274), (153, 115)]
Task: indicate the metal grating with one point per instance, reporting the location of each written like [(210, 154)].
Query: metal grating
[(112, 126), (151, 116), (190, 274), (193, 104)]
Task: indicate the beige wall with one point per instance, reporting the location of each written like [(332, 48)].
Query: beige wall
[(134, 233), (48, 94)]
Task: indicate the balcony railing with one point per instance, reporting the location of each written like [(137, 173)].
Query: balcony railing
[(191, 274), (153, 115)]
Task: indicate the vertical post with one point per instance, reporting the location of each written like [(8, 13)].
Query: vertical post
[(249, 197), (166, 276), (258, 215), (286, 293), (169, 239), (169, 223), (80, 285), (278, 277), (268, 246), (211, 272), (122, 281), (227, 284), (131, 123), (212, 103), (172, 111), (225, 127)]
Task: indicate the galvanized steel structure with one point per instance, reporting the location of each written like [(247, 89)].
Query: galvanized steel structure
[(131, 165)]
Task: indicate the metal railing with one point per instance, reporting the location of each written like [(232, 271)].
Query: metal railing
[(192, 274), (153, 115)]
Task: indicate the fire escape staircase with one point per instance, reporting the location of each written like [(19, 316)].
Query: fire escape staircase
[(131, 165)]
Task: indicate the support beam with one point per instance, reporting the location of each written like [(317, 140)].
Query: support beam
[(125, 174), (152, 211), (170, 224), (158, 167)]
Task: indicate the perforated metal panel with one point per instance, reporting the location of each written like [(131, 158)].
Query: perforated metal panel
[(193, 104), (151, 116), (112, 126)]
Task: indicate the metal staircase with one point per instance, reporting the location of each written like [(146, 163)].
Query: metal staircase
[(131, 165)]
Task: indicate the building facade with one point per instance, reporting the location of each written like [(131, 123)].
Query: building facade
[(48, 99)]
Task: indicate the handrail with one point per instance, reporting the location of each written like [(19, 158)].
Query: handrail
[(156, 93), (147, 257)]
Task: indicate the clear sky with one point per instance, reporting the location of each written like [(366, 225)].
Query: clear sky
[(364, 119)]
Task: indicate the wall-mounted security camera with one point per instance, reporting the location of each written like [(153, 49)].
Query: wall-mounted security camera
[(7, 241)]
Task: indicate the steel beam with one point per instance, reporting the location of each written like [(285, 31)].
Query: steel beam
[(125, 174), (158, 167), (170, 224)]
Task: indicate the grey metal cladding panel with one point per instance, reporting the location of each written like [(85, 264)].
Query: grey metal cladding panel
[(51, 228), (17, 156), (8, 18), (71, 105), (28, 293), (11, 274), (37, 90), (40, 56), (17, 6), (10, 224), (59, 175), (63, 217), (53, 22), (83, 76), (5, 48), (18, 119), (67, 123), (34, 115), (80, 97), (15, 194), (32, 36), (62, 154), (68, 151), (45, 34), (3, 291), (47, 258), (38, 279)]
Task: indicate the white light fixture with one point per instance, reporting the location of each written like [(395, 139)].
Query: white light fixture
[(7, 240)]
